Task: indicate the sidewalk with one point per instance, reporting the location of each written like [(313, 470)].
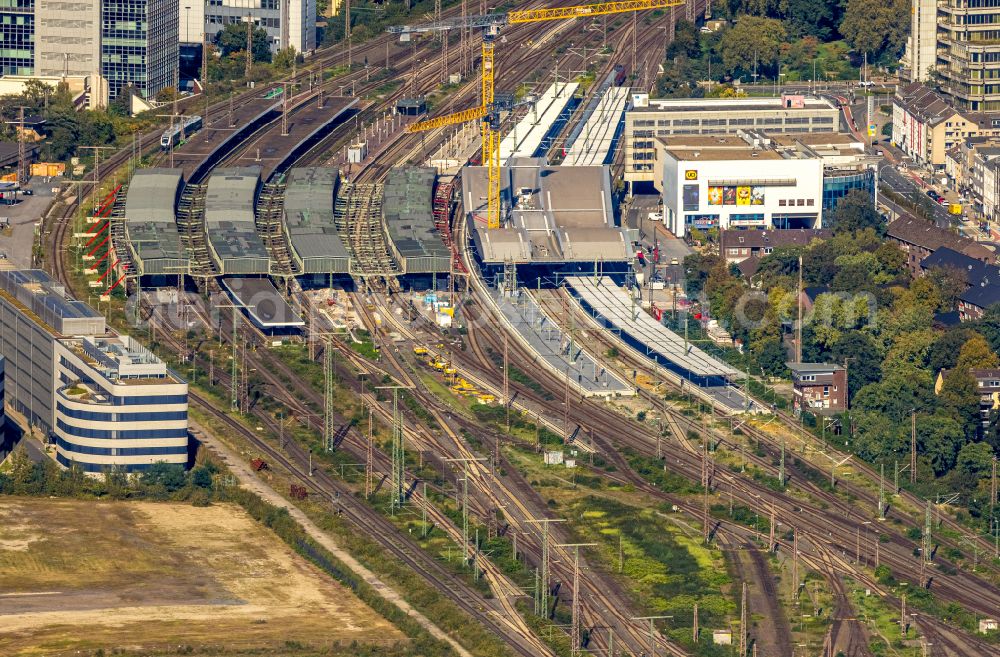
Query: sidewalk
[(240, 468)]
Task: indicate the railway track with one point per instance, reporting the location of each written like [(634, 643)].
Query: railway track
[(839, 519), (845, 523)]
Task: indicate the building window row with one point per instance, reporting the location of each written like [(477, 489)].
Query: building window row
[(121, 451), (152, 416), (137, 400), (101, 467), (120, 434), (793, 202)]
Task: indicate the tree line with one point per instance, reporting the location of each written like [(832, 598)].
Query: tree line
[(868, 315)]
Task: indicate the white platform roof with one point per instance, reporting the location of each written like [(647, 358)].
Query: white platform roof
[(593, 145), (527, 135), (613, 304)]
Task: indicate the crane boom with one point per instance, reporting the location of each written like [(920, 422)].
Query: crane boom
[(455, 118), (584, 11)]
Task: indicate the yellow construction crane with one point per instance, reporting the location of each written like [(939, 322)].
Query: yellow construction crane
[(488, 113)]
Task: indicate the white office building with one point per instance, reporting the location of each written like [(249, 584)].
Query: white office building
[(106, 401), (738, 182), (287, 22), (649, 118)]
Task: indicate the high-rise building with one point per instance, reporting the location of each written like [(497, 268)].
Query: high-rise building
[(128, 42), (139, 45), (103, 399), (957, 42)]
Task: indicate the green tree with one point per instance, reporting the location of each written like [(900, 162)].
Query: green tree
[(687, 41), (894, 397), (876, 28), (233, 39), (975, 354), (960, 399), (816, 19), (939, 437), (975, 460), (167, 477), (950, 283), (856, 211), (284, 58), (752, 40), (865, 364), (697, 267), (943, 354), (772, 358)]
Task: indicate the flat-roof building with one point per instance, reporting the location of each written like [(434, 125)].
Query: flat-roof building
[(738, 182), (407, 208), (103, 399), (558, 214), (151, 224), (317, 248), (818, 387), (649, 118), (230, 204)]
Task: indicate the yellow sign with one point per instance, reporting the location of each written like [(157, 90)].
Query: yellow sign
[(691, 174), (742, 196)]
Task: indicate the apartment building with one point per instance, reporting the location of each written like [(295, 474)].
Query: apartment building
[(958, 43), (103, 399), (818, 387), (648, 119), (926, 125)]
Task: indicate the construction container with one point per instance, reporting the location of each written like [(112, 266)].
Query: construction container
[(48, 169), (356, 153), (955, 208)]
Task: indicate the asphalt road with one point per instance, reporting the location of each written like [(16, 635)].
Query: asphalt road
[(906, 186), (655, 235)]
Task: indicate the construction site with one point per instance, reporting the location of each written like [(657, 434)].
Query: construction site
[(418, 315)]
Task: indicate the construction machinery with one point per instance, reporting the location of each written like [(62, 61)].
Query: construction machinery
[(488, 112)]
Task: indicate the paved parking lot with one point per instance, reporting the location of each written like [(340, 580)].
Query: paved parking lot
[(16, 241)]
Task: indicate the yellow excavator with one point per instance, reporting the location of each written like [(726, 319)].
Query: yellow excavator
[(488, 113)]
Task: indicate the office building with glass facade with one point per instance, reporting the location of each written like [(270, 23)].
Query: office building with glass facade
[(139, 45), (128, 42), (17, 30)]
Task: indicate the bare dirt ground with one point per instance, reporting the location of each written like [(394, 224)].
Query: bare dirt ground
[(81, 575)]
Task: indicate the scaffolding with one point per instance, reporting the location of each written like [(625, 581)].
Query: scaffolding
[(191, 224), (269, 220), (444, 205), (119, 239), (357, 216)]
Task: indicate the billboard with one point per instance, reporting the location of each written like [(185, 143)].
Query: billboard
[(691, 198), (715, 195), (736, 195), (743, 195)]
